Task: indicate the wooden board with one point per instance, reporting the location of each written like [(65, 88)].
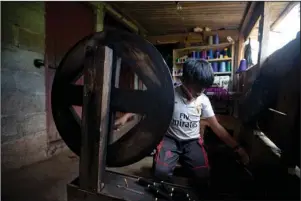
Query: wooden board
[(96, 114)]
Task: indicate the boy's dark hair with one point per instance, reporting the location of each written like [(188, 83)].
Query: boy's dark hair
[(198, 72)]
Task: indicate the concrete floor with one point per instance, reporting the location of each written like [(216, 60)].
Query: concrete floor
[(42, 181), (46, 181)]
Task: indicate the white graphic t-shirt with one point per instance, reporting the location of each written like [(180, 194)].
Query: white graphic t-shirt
[(185, 123)]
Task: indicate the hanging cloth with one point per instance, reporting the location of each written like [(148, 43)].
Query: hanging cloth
[(248, 53)]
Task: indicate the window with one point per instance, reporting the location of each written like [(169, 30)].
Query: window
[(285, 31)]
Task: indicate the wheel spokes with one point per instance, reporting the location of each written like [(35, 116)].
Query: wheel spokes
[(135, 101)]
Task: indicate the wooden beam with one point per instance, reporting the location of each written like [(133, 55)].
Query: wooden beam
[(192, 37), (283, 14), (264, 32), (142, 30), (250, 23), (175, 38), (99, 17), (95, 117), (222, 34), (122, 18), (101, 7), (248, 14)]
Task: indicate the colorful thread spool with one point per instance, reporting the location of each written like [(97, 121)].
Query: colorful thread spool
[(216, 54), (226, 53), (210, 54), (228, 68), (204, 54), (210, 40), (222, 67), (194, 55), (229, 52), (215, 66), (198, 55), (242, 66), (216, 39)]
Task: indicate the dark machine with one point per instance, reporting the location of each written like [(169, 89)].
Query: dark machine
[(99, 58)]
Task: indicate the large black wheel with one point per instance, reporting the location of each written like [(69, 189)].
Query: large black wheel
[(155, 104)]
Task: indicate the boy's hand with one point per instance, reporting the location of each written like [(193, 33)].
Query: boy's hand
[(120, 122), (244, 157)]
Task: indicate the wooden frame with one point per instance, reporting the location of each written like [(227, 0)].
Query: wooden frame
[(96, 114)]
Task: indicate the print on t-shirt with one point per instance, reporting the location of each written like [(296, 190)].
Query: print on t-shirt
[(184, 121), (186, 118)]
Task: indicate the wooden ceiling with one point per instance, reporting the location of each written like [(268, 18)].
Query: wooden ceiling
[(160, 18)]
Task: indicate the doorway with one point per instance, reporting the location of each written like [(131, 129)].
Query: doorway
[(66, 23)]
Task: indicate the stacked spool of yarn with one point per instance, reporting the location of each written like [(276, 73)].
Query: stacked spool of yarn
[(226, 53), (198, 54), (242, 66), (210, 54), (194, 54), (210, 40), (217, 54), (216, 39), (222, 67), (228, 68), (229, 52), (215, 66), (204, 54)]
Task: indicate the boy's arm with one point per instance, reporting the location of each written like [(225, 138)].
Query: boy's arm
[(220, 131), (209, 119), (122, 120)]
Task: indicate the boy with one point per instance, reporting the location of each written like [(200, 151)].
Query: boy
[(182, 140)]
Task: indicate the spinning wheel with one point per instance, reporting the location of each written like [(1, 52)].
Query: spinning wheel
[(146, 62)]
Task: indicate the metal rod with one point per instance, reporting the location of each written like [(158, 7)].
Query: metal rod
[(129, 189), (276, 111)]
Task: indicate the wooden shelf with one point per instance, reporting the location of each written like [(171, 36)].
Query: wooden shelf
[(216, 73), (178, 75), (231, 93), (220, 59), (210, 60), (185, 52), (213, 47), (222, 73)]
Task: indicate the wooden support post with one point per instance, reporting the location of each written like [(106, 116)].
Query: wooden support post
[(247, 20), (264, 33), (97, 85), (253, 12), (239, 46)]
